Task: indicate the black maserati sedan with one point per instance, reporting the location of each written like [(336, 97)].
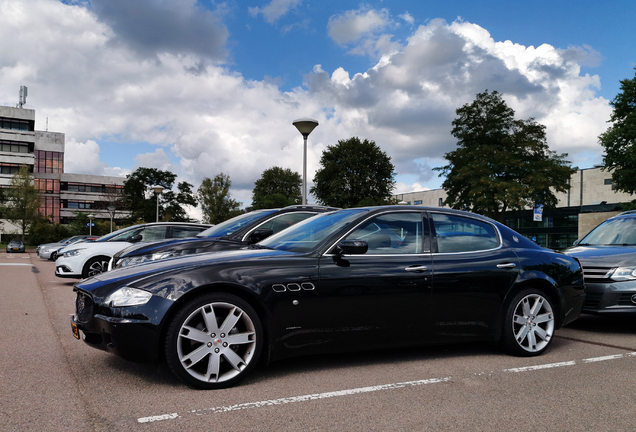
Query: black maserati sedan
[(234, 233), (348, 280)]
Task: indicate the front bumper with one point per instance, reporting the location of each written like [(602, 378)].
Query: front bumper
[(68, 268), (610, 298), (132, 333)]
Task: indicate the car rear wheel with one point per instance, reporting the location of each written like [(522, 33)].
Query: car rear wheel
[(214, 341), (528, 323), (95, 266)]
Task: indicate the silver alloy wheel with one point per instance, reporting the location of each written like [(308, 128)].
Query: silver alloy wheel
[(216, 342), (533, 323), (98, 267)]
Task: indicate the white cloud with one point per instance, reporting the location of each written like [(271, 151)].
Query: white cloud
[(407, 17), (206, 119), (275, 10), (353, 25)]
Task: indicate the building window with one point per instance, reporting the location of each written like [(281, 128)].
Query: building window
[(607, 181), (15, 147), (418, 202), (441, 202), (50, 208), (49, 162), (9, 168), (47, 185), (15, 124)]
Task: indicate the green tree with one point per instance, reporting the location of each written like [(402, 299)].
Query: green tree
[(619, 140), (354, 173), (216, 203), (277, 187), (23, 201), (501, 163), (139, 198)]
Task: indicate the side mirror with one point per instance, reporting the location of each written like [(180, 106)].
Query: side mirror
[(577, 242), (136, 238), (259, 234), (352, 247)]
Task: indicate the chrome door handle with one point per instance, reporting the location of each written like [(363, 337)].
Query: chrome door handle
[(417, 268), (507, 265)]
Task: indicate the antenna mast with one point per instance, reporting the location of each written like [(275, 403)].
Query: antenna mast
[(23, 96)]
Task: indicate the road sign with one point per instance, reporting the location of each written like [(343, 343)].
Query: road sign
[(90, 224)]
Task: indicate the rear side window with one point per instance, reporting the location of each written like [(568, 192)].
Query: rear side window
[(393, 233), (282, 222), (185, 231), (461, 234)]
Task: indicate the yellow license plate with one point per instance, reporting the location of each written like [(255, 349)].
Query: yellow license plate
[(75, 330)]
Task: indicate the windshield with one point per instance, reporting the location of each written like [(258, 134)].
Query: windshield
[(617, 232), (230, 226), (306, 235)]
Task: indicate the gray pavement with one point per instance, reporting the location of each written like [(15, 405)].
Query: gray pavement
[(50, 381)]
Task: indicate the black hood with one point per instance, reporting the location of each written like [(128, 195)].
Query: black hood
[(166, 245)]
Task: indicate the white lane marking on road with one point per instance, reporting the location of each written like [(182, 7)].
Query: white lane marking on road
[(360, 390), (296, 399), (158, 418), (611, 357), (15, 264), (538, 367)]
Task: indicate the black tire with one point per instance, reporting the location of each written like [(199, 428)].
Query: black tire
[(53, 256), (529, 323), (225, 349), (95, 266)]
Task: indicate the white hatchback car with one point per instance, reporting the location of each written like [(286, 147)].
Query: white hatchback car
[(83, 260)]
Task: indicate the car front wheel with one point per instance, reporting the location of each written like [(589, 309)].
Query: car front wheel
[(528, 324), (95, 266), (214, 341)]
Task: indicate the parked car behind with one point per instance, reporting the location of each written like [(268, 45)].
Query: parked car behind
[(89, 259), (49, 250), (15, 246), (234, 233), (446, 276), (608, 256)]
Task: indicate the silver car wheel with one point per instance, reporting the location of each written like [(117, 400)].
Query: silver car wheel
[(533, 323), (216, 342), (95, 267)]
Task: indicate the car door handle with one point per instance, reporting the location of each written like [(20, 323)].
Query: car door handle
[(417, 269), (507, 265)]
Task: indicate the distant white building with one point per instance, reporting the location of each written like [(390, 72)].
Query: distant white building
[(590, 200)]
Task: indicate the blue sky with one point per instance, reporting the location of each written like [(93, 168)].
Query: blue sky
[(205, 87)]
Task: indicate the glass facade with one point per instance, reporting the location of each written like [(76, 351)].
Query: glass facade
[(17, 124), (49, 162), (15, 147), (557, 230), (11, 168)]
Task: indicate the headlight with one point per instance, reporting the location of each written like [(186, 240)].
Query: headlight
[(623, 273), (72, 253), (127, 296), (124, 262)]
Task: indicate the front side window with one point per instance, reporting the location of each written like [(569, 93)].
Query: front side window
[(394, 233), (230, 226), (461, 234), (185, 231), (282, 222)]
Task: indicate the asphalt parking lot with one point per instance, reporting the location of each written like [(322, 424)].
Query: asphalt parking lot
[(51, 381)]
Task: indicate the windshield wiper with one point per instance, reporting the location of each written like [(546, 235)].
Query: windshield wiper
[(258, 246)]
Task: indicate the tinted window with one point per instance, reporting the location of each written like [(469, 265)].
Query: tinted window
[(153, 233), (395, 233), (230, 226), (282, 222), (183, 232), (461, 234)]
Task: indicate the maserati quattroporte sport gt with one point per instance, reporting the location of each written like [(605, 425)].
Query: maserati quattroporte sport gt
[(339, 281)]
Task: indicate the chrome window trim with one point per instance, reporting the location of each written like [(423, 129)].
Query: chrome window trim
[(325, 254), (275, 217)]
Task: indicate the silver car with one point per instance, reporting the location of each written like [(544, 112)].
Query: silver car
[(49, 250)]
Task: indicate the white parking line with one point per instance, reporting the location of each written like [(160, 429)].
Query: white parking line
[(318, 396), (15, 264), (539, 367)]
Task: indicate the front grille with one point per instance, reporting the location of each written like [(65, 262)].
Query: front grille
[(592, 299), (596, 274), (83, 307)]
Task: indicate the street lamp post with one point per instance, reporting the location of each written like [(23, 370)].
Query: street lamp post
[(111, 210), (90, 224), (157, 189), (305, 126)]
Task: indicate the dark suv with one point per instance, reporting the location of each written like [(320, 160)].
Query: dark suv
[(235, 233), (608, 257)]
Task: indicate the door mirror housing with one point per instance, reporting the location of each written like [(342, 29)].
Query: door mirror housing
[(352, 247), (259, 234), (136, 238)]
